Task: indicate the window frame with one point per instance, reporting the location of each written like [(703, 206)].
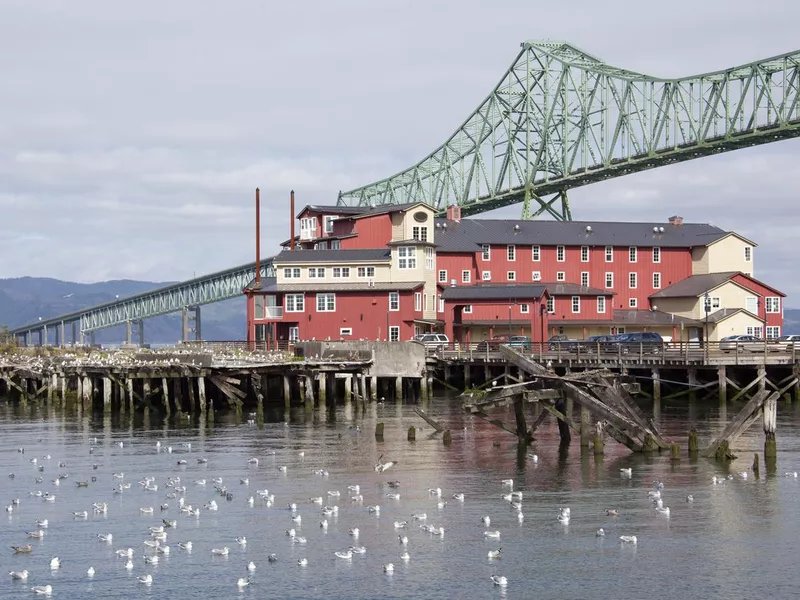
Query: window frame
[(584, 254), (561, 253), (329, 299), (394, 296), (601, 305), (294, 308), (575, 303), (633, 280)]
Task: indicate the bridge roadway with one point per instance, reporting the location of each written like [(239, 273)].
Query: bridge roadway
[(176, 297)]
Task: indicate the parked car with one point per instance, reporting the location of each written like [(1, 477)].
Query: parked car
[(492, 343), (561, 343), (520, 342), (647, 342), (741, 343), (787, 343), (434, 341), (596, 342)]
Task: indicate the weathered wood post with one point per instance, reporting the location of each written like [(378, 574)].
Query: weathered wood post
[(693, 447), (563, 428), (586, 428), (348, 389), (287, 392), (762, 375), (522, 427), (373, 388), (770, 418), (177, 396), (655, 374), (201, 394), (106, 394), (447, 437), (146, 391), (379, 432), (674, 452), (756, 466), (466, 375), (64, 384), (599, 441), (412, 434), (398, 389), (423, 387), (51, 389), (722, 377), (309, 391), (86, 392), (131, 401), (322, 395), (165, 392)]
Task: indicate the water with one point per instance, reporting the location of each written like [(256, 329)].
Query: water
[(735, 540)]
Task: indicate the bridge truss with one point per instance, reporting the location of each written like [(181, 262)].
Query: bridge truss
[(561, 118)]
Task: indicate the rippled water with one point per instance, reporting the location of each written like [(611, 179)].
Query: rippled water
[(735, 540)]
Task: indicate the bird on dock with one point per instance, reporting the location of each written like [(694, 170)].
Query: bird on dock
[(690, 498), (146, 579), (388, 568)]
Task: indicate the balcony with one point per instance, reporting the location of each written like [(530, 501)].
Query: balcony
[(273, 312)]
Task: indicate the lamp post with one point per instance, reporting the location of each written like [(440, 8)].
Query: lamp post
[(707, 308)]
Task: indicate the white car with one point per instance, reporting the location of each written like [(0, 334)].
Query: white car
[(434, 341)]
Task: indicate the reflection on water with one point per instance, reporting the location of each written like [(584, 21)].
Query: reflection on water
[(735, 540)]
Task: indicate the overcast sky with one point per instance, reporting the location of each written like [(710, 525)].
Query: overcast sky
[(133, 134)]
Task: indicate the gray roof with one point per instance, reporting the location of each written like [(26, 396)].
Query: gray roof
[(333, 256), (387, 286), (574, 289), (468, 234), (266, 284), (642, 317), (724, 313), (493, 292), (355, 211), (694, 285)]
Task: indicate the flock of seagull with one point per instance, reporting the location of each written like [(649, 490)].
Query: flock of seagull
[(176, 491)]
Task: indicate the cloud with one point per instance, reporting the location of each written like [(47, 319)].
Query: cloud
[(139, 131)]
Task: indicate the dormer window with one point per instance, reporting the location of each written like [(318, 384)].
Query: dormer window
[(329, 224), (308, 228), (419, 233)]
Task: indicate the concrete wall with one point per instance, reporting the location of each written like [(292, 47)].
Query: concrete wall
[(406, 359)]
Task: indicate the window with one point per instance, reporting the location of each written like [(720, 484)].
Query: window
[(321, 246), (394, 333), (585, 278), (425, 302), (291, 273), (773, 304), (343, 331), (711, 303), (487, 251), (523, 308), (308, 228), (486, 276), (341, 272), (609, 253), (468, 309), (294, 334), (419, 233), (511, 275), (751, 304), (756, 331), (316, 272), (633, 303), (656, 281), (536, 253), (295, 303), (632, 280), (536, 276), (748, 254), (441, 303), (429, 264), (609, 281), (773, 332), (551, 305), (326, 302), (584, 253), (576, 304), (560, 254), (417, 301), (442, 276), (656, 255), (561, 276), (329, 226), (363, 272), (614, 330), (394, 301), (511, 252), (406, 257), (335, 244), (601, 305), (632, 254), (466, 276)]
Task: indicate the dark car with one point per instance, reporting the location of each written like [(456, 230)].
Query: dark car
[(596, 343), (647, 342), (561, 343), (492, 344)]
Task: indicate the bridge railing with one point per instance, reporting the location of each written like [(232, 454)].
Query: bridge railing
[(732, 352)]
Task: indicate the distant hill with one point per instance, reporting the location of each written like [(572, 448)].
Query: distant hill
[(25, 299)]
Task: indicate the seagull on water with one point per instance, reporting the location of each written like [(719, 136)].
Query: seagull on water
[(494, 553), (44, 590), (628, 539), (243, 582), (19, 575), (499, 580)]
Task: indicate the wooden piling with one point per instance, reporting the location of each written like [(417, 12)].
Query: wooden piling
[(379, 432), (693, 447), (599, 441), (586, 427), (398, 389), (756, 465), (287, 392), (762, 377), (322, 395), (675, 452), (373, 388), (770, 418), (51, 389), (309, 391), (131, 401), (649, 443), (146, 392), (348, 389), (447, 437), (363, 391), (722, 377), (106, 394), (423, 388), (655, 374), (165, 392), (201, 394), (412, 434)]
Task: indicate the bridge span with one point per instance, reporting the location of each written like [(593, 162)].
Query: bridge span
[(559, 118)]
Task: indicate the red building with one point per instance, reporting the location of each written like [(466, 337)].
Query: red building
[(390, 272)]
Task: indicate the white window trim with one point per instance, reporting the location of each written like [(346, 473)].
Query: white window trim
[(633, 280), (511, 253), (486, 276), (748, 254), (536, 253), (633, 254), (551, 306), (366, 274), (633, 303), (430, 259), (586, 273), (609, 254), (773, 332), (417, 301), (326, 295), (536, 276), (772, 305), (609, 287), (486, 252), (441, 278), (394, 333), (467, 309), (585, 248), (575, 301), (342, 271), (396, 295), (511, 275), (656, 255), (292, 272), (294, 310), (561, 276), (466, 276), (524, 308), (561, 251), (601, 305), (343, 331), (656, 284)]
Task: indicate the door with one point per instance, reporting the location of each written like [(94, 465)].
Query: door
[(294, 334)]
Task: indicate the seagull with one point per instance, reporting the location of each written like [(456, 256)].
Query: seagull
[(251, 566), (486, 521), (508, 482), (243, 582), (146, 579), (499, 580), (626, 472), (220, 551), (19, 575), (690, 498), (346, 555), (494, 553), (302, 562), (405, 556), (600, 532), (105, 538), (90, 572), (388, 568), (612, 512), (628, 539), (55, 563), (45, 590)]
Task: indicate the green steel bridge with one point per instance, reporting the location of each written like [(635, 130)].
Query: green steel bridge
[(561, 118)]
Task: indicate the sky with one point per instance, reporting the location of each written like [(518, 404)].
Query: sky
[(133, 134)]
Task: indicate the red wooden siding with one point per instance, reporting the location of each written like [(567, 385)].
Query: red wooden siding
[(762, 291)]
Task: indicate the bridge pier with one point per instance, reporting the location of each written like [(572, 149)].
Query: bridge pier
[(186, 328)]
